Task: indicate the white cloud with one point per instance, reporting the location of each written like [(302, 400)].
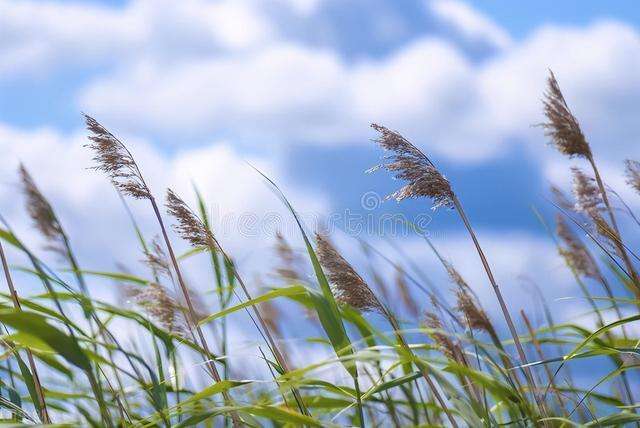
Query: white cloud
[(38, 37), (243, 208), (469, 23), (428, 90)]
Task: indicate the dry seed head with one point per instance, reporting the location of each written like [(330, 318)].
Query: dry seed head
[(561, 199), (348, 287), (574, 252), (271, 315), (633, 174), (157, 259), (39, 208), (562, 126), (587, 194), (474, 316), (188, 226), (288, 267), (454, 275), (444, 342), (408, 163), (405, 295), (156, 301), (114, 159)]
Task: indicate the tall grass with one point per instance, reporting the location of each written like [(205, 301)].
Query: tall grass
[(168, 359)]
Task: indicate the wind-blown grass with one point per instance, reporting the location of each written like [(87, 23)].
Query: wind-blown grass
[(68, 359)]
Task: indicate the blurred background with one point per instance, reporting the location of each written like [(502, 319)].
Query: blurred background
[(198, 90)]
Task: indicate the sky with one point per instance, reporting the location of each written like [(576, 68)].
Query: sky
[(199, 90)]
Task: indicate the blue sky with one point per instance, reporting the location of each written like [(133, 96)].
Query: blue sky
[(199, 87)]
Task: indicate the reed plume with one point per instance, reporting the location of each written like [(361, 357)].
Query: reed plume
[(632, 170), (156, 301), (586, 193), (288, 268), (405, 294), (433, 322), (157, 260), (565, 133), (193, 230), (349, 288), (113, 158), (407, 162), (189, 226), (574, 252), (40, 210), (562, 127), (475, 317)]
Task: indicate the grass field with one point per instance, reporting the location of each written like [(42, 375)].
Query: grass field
[(69, 358)]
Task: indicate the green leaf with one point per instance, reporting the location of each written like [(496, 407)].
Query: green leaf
[(33, 324), (279, 292)]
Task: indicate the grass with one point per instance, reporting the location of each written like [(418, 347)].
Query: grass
[(68, 359)]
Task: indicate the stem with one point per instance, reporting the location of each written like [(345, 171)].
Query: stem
[(209, 361), (421, 367), (538, 348), (618, 238), (359, 401), (503, 305), (44, 413)]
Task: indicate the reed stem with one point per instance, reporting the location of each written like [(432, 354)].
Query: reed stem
[(44, 413)]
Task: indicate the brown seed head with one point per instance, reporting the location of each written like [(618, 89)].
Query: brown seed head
[(157, 259), (633, 174), (574, 252), (288, 268), (39, 209), (114, 159), (587, 194), (156, 301), (455, 276), (189, 226), (562, 126), (408, 163), (561, 199), (474, 316), (348, 287), (444, 342), (405, 295)]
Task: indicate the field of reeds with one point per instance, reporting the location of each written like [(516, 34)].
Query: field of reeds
[(440, 360)]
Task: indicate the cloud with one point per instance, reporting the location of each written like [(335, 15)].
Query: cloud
[(469, 24), (428, 90), (40, 37), (244, 212)]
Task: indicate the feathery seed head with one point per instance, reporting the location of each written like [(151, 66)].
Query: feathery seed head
[(405, 293), (455, 276), (157, 260), (444, 342), (39, 208), (188, 226), (633, 174), (408, 163), (474, 316), (562, 126), (561, 199), (288, 268), (114, 159), (348, 287), (575, 254), (156, 301), (587, 194)]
